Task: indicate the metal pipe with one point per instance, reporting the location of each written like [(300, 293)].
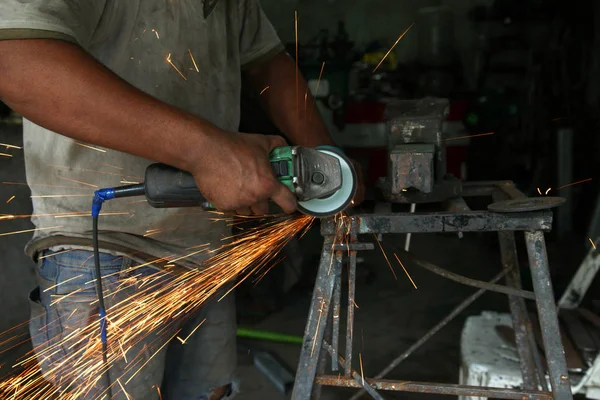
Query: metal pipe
[(436, 388), (542, 284)]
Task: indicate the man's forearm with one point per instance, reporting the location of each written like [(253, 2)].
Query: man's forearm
[(293, 111), (60, 87)]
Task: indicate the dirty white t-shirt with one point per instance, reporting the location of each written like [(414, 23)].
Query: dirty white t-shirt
[(209, 42)]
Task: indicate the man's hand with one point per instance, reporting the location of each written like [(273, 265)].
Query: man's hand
[(234, 174)]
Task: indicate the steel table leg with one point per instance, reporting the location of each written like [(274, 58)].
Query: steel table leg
[(520, 319), (315, 324), (546, 306)]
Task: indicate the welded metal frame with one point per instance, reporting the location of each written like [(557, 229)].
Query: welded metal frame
[(324, 313)]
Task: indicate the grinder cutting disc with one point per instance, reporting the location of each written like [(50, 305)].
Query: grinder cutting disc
[(338, 201)]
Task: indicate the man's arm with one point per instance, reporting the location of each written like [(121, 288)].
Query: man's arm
[(294, 113), (59, 86)]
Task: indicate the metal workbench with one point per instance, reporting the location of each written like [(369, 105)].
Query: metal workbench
[(320, 349)]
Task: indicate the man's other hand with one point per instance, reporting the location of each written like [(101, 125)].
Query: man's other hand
[(234, 173)]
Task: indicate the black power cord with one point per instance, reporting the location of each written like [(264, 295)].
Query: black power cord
[(99, 197), (100, 291)]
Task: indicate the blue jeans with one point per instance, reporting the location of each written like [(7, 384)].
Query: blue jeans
[(66, 300)]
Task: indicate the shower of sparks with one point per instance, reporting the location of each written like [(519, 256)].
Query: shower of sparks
[(90, 147), (194, 61), (176, 69), (264, 90), (362, 375), (405, 271), (5, 155), (29, 230), (80, 182), (11, 146), (469, 136), (592, 242), (386, 257), (162, 300), (574, 183), (392, 48), (193, 331), (11, 199)]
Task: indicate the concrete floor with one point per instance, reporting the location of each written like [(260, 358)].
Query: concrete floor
[(391, 314)]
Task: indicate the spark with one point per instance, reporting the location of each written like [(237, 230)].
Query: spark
[(386, 257), (123, 351), (62, 195), (29, 230), (5, 155), (41, 185), (87, 214), (11, 146), (318, 84), (80, 182), (122, 388), (54, 254), (470, 136), (112, 166), (539, 191), (166, 298), (264, 90), (124, 182), (194, 61), (11, 199), (159, 393), (90, 147), (7, 216), (362, 375), (574, 183), (190, 335), (390, 50), (355, 305), (592, 242), (405, 271), (156, 33), (176, 69), (548, 191), (63, 282)]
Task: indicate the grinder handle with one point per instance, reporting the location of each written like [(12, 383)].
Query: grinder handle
[(166, 187)]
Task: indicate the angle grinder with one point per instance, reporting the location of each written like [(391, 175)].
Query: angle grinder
[(322, 178)]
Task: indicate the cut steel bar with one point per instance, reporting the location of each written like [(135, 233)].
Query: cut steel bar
[(435, 388)]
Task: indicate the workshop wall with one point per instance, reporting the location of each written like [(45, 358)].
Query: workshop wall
[(368, 20)]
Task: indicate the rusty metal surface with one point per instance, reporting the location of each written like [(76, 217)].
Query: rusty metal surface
[(473, 221), (435, 388), (419, 121), (518, 311), (335, 335), (442, 190), (410, 166), (526, 204), (316, 323), (351, 298), (542, 284)]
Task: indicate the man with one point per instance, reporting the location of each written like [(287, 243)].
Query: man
[(105, 87)]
